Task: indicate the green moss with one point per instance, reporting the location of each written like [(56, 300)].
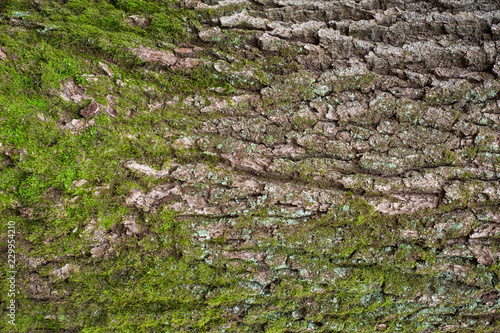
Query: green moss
[(347, 270), (354, 82)]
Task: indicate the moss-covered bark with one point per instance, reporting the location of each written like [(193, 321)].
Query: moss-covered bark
[(251, 166)]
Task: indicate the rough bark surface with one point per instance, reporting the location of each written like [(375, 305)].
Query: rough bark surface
[(351, 180)]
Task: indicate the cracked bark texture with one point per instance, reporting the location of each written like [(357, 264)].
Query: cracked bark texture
[(363, 185), (355, 186)]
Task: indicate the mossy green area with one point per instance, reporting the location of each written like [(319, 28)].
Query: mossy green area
[(349, 269), (49, 43)]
